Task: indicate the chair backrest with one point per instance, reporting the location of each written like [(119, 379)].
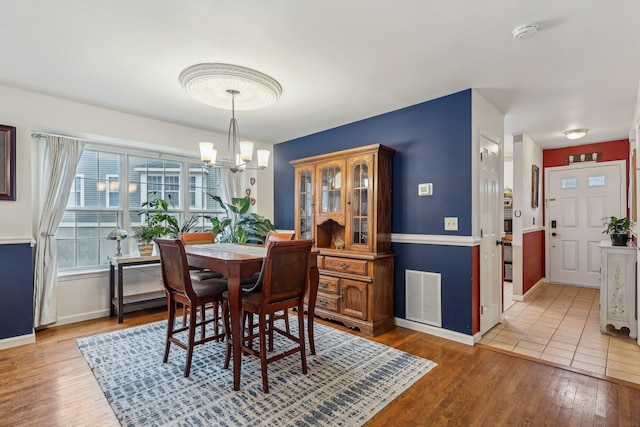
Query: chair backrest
[(274, 236), (175, 268), (197, 238), (286, 268)]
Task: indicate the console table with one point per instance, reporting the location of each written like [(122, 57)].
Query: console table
[(618, 287), (118, 300)]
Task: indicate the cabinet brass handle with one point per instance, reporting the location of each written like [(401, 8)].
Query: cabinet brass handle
[(344, 265), (323, 302), (323, 284)]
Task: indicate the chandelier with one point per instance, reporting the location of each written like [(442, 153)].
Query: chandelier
[(213, 85)]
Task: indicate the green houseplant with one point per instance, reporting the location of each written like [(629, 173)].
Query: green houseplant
[(618, 229), (159, 216), (239, 225)]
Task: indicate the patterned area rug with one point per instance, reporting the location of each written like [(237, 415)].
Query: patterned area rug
[(349, 380)]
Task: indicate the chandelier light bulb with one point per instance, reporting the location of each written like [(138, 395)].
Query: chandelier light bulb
[(263, 158), (246, 150)]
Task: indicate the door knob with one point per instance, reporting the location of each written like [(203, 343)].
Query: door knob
[(499, 242), (554, 234)]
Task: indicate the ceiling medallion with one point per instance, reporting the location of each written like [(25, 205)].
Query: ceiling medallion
[(211, 83)]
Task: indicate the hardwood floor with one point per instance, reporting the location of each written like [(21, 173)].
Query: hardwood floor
[(49, 384)]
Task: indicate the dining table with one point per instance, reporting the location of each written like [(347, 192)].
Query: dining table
[(238, 261)]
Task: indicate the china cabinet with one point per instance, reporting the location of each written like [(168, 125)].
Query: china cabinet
[(343, 202)]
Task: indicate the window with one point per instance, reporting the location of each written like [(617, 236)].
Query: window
[(108, 192), (76, 198), (597, 181), (570, 183)]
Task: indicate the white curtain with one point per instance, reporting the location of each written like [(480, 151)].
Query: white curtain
[(230, 184), (60, 159)]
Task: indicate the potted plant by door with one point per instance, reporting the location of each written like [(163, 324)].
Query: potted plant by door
[(618, 229)]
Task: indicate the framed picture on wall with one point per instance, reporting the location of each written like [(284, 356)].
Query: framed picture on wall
[(535, 183), (7, 162)]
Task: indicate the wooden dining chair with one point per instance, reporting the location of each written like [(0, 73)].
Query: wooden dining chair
[(274, 236), (193, 295), (284, 280), (200, 238)]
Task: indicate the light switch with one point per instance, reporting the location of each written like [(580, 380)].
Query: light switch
[(451, 223)]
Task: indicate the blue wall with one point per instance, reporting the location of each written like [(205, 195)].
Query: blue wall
[(16, 283), (433, 144)]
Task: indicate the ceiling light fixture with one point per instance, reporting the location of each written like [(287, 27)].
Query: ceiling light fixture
[(213, 85), (525, 31), (576, 133)]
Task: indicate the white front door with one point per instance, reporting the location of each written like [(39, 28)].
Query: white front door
[(490, 233), (578, 198)]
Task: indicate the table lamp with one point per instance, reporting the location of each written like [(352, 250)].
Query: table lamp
[(118, 235)]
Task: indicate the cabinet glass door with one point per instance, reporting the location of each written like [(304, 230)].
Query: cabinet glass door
[(305, 204), (360, 204), (331, 189)]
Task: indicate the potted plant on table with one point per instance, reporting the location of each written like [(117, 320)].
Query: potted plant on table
[(145, 234), (618, 229)]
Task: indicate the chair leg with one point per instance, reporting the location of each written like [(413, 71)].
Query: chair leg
[(171, 306), (192, 332), (303, 352), (262, 324), (227, 331), (271, 322), (202, 319), (216, 319), (286, 320)]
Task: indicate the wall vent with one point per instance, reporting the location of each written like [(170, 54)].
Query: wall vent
[(423, 303)]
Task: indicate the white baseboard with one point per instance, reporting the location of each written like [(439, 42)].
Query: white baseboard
[(18, 341), (438, 332), (81, 317), (529, 292)]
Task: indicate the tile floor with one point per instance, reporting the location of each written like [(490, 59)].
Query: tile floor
[(561, 324)]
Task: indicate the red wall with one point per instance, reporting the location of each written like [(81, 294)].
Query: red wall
[(532, 259), (612, 150)]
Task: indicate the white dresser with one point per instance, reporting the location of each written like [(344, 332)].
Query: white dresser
[(618, 287)]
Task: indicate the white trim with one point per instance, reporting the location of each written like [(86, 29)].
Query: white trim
[(529, 292), (17, 241), (80, 317), (432, 239), (64, 276), (435, 331), (18, 341), (533, 229)]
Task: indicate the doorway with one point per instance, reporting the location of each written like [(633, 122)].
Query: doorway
[(579, 196)]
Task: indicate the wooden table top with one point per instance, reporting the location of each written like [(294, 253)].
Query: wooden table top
[(227, 251)]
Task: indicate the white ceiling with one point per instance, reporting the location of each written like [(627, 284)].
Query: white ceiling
[(338, 61)]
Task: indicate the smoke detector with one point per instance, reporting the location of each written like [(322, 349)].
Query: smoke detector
[(525, 31)]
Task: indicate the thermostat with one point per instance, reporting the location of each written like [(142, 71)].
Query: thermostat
[(425, 189)]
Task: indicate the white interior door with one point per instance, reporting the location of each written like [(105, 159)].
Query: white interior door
[(578, 198), (490, 202)]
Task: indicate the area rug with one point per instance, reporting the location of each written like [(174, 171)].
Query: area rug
[(349, 380)]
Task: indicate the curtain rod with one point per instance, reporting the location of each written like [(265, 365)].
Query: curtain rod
[(42, 134), (160, 153)]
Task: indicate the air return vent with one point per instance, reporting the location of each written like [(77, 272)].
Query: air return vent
[(423, 302)]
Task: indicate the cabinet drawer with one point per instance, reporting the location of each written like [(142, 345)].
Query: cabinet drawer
[(328, 285), (346, 265), (327, 302), (320, 262)]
